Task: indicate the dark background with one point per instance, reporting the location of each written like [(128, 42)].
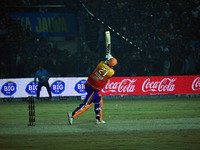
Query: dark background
[(162, 38)]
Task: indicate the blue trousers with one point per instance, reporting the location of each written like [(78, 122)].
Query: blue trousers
[(91, 97)]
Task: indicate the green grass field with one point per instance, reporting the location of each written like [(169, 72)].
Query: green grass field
[(131, 124)]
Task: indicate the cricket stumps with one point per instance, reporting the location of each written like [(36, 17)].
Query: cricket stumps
[(31, 107)]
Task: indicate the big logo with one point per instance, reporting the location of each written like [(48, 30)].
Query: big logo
[(9, 88), (31, 88), (57, 87), (80, 87)]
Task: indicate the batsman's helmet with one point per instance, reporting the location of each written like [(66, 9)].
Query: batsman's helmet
[(112, 62)]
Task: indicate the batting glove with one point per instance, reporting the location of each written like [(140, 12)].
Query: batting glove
[(108, 56)]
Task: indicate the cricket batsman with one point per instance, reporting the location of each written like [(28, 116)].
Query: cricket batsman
[(95, 83)]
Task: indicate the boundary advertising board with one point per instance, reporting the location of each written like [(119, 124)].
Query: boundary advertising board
[(68, 86)]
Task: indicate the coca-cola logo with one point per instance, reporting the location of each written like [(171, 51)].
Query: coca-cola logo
[(123, 86), (165, 85), (196, 84)]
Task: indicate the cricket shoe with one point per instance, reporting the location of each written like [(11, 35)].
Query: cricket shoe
[(70, 118), (100, 122)]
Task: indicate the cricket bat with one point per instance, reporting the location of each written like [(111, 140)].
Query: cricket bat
[(108, 42)]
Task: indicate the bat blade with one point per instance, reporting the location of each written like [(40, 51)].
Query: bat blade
[(108, 42)]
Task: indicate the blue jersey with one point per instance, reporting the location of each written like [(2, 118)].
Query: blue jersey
[(43, 76)]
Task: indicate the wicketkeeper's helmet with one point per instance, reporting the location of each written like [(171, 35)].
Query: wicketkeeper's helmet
[(112, 62)]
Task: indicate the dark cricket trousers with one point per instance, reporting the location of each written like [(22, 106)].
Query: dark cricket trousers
[(40, 85)]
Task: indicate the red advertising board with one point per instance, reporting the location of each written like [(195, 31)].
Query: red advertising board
[(152, 85)]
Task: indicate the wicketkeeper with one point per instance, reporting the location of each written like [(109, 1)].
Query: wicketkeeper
[(95, 82), (43, 77)]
